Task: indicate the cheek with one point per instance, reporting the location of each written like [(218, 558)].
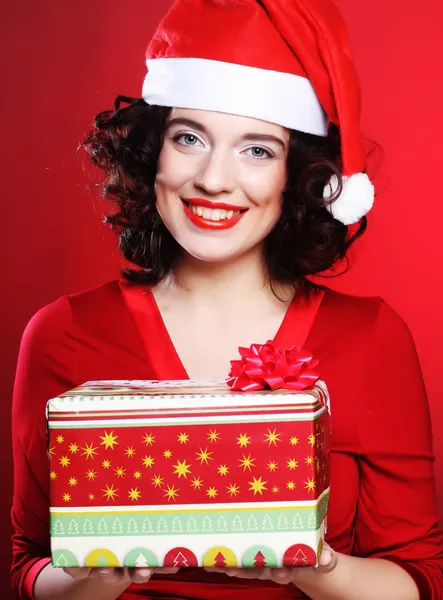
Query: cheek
[(172, 173), (265, 189)]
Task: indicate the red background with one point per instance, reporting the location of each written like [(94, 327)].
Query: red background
[(63, 62)]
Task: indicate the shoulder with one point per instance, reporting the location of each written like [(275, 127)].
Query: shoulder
[(351, 310), (57, 320)]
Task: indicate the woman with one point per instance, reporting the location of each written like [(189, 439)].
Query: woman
[(236, 176)]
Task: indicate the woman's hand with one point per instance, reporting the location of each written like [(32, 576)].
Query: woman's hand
[(328, 562), (120, 576)]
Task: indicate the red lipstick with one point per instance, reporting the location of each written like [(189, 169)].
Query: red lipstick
[(208, 224)]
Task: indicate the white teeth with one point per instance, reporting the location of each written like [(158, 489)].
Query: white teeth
[(213, 214)]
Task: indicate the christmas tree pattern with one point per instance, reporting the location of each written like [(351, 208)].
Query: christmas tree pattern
[(237, 525), (147, 526), (191, 525), (267, 523), (58, 528), (207, 524), (132, 526), (177, 525), (312, 522), (61, 561), (162, 526), (282, 522), (219, 560), (117, 526), (102, 527), (87, 527), (259, 560), (73, 527), (297, 522), (252, 523), (221, 524), (141, 561)]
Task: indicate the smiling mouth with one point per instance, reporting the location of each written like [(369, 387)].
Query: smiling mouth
[(214, 216)]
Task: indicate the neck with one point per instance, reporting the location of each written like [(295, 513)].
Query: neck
[(222, 283)]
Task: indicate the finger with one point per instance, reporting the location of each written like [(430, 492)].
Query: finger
[(166, 570), (141, 575), (78, 572), (328, 560), (283, 575), (113, 576)]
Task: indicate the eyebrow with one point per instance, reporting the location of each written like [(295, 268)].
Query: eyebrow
[(247, 137)]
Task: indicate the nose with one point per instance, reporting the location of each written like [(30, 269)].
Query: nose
[(216, 174)]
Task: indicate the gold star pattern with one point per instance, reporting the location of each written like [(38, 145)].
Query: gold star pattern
[(243, 440), (106, 464), (53, 475), (110, 492), (309, 460), (311, 439), (91, 475), (247, 462), (51, 452), (197, 483), (275, 489), (89, 451), (134, 494), (233, 490), (91, 496), (272, 437), (258, 486), (73, 448), (310, 485), (171, 493), (149, 439), (211, 492), (130, 452), (67, 497), (292, 464), (167, 454), (137, 475), (294, 440), (65, 461), (183, 438), (60, 439), (272, 466), (157, 480), (109, 440), (204, 456), (120, 472), (72, 481), (213, 436), (181, 469), (148, 461), (223, 470), (290, 485)]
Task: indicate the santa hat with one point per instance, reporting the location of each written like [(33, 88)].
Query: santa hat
[(282, 61)]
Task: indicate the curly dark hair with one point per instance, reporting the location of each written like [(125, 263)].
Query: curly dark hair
[(126, 143)]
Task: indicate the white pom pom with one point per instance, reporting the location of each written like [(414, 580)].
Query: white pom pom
[(355, 201)]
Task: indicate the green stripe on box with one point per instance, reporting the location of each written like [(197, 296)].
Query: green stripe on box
[(187, 523)]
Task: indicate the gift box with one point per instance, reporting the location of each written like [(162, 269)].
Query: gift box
[(182, 473)]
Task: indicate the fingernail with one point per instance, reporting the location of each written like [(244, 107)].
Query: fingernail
[(105, 571), (325, 558), (145, 572)]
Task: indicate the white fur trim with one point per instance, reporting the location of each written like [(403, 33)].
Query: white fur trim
[(355, 201), (281, 98)]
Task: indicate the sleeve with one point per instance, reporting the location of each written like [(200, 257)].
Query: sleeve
[(397, 517), (46, 367)]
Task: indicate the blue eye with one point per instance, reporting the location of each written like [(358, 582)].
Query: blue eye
[(259, 152), (187, 139)]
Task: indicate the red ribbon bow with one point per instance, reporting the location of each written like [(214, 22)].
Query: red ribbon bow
[(266, 367)]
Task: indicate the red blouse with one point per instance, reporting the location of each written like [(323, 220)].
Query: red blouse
[(382, 484)]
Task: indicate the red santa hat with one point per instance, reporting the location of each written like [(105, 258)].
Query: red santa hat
[(283, 61)]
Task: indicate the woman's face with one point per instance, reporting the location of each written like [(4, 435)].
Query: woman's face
[(220, 181)]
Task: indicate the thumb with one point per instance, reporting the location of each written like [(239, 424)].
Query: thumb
[(78, 572), (328, 560)]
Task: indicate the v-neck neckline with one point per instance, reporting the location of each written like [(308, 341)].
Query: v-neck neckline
[(159, 347)]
